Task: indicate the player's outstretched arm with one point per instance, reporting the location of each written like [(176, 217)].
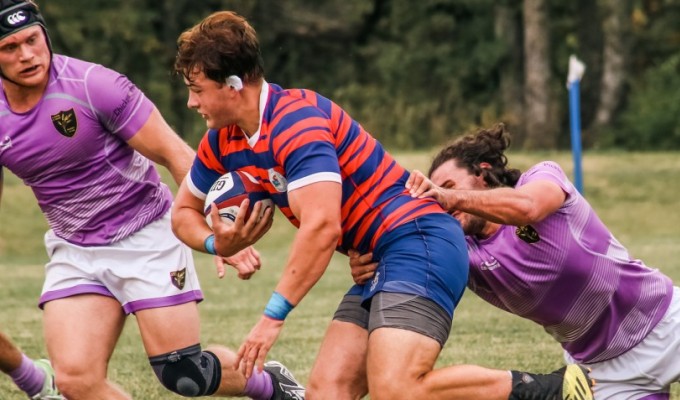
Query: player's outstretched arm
[(318, 208), (420, 186), (525, 205)]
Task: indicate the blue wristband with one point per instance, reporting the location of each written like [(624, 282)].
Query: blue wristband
[(209, 244), (278, 307)]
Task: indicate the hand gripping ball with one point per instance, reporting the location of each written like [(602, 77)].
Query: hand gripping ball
[(229, 191)]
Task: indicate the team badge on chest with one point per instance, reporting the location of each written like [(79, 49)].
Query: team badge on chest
[(528, 234), (278, 180), (65, 122)]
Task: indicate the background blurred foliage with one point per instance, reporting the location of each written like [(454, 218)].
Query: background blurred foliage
[(414, 73)]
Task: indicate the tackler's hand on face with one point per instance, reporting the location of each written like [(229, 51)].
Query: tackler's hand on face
[(420, 186), (230, 238), (362, 266)]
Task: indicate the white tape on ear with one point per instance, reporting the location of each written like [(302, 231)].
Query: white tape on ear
[(235, 82)]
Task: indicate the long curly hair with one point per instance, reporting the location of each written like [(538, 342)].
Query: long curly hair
[(485, 145)]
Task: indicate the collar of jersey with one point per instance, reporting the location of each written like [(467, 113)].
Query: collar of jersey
[(264, 94)]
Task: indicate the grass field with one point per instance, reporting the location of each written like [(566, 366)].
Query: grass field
[(635, 194)]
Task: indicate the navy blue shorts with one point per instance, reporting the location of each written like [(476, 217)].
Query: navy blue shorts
[(426, 257)]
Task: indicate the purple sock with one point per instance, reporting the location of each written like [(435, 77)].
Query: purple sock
[(259, 386), (28, 377)]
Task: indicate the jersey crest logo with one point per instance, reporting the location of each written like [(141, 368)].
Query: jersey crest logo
[(65, 122), (178, 278), (528, 234), (489, 265), (278, 181)]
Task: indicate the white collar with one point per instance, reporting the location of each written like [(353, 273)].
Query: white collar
[(264, 95)]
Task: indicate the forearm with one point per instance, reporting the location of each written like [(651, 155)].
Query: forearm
[(180, 163), (190, 227), (505, 206), (188, 221), (310, 255), (160, 144)]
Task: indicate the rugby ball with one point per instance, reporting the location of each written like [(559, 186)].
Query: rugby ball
[(229, 191)]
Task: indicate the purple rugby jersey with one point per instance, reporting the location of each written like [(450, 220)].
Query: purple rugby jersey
[(71, 150), (569, 274)]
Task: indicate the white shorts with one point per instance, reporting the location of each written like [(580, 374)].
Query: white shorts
[(149, 269), (647, 370)]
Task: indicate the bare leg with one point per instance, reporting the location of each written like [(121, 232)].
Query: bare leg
[(401, 362), (24, 372), (339, 371), (10, 355), (81, 333)]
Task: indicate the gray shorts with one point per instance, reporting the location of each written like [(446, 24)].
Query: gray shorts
[(397, 310)]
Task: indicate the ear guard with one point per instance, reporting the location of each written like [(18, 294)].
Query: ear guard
[(235, 82)]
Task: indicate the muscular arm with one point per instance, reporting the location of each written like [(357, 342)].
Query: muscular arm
[(525, 205), (158, 142), (317, 206), (188, 222), (190, 226)]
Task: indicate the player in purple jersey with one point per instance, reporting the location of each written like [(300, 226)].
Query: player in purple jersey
[(538, 250), (83, 137), (341, 189)]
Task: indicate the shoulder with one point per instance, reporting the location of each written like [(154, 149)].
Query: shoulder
[(548, 171), (72, 68), (72, 73), (213, 140), (303, 102), (545, 166), (543, 170)]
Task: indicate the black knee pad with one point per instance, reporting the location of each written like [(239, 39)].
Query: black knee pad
[(189, 372)]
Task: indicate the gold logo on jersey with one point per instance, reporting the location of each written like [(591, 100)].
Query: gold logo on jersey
[(65, 122), (527, 233), (178, 278)]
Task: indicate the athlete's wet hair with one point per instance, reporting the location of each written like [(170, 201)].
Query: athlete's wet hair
[(221, 45), (485, 145)]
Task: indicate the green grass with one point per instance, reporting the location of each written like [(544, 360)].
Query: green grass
[(634, 193)]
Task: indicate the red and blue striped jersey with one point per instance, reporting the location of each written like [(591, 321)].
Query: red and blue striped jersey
[(306, 138)]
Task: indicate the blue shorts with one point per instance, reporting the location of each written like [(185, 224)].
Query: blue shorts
[(425, 257)]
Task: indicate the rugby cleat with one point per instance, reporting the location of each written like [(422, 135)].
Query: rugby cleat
[(285, 385), (576, 383), (49, 390)]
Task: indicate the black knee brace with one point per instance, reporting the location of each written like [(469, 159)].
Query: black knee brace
[(189, 372)]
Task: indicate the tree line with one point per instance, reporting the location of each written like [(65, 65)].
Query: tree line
[(417, 73)]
